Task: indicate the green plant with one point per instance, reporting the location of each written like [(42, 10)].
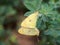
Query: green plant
[(8, 11), (48, 22), (49, 19)]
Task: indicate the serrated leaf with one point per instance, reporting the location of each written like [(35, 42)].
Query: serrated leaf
[(46, 9), (32, 4)]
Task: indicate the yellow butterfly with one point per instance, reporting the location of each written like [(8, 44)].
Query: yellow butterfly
[(30, 21), (28, 26)]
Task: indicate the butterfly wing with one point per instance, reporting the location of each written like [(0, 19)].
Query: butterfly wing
[(28, 31), (30, 21)]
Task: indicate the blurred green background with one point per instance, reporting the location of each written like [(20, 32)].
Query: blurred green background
[(12, 12)]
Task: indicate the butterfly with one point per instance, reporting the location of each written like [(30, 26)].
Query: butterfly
[(28, 26)]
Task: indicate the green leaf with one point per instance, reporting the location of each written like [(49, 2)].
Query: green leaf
[(43, 41), (2, 20), (46, 9), (28, 13), (52, 32), (2, 10), (32, 4), (13, 39), (1, 27), (2, 32), (49, 22), (58, 39), (16, 2), (53, 1), (10, 11), (2, 43), (43, 22)]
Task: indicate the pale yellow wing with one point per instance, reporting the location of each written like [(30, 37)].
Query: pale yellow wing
[(30, 21), (29, 31)]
